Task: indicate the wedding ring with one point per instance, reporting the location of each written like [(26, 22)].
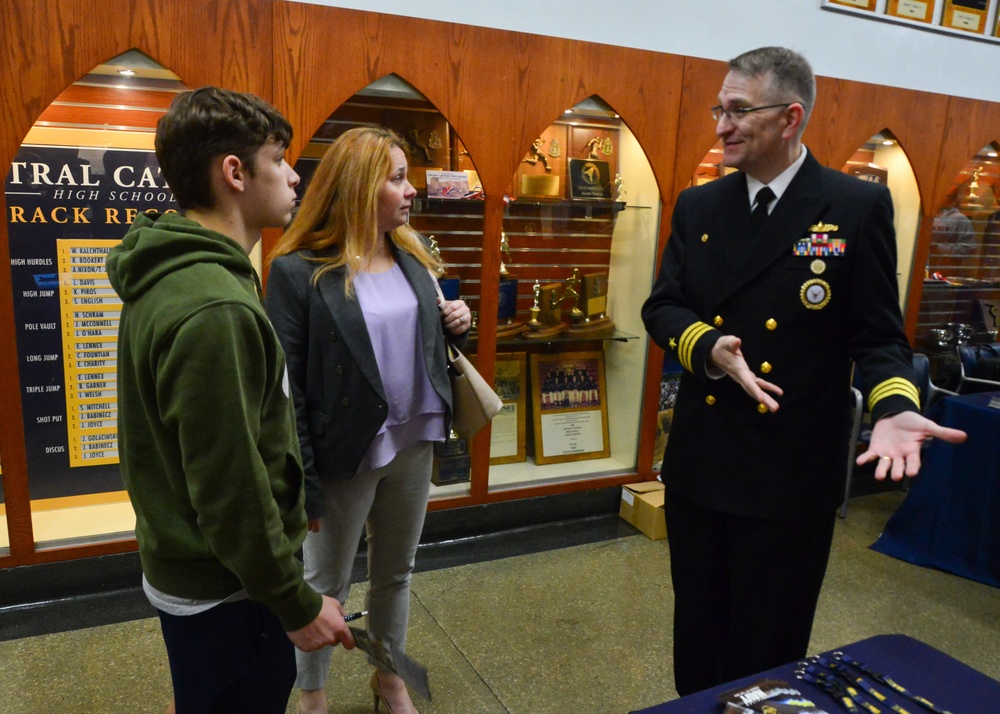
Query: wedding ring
[(885, 458)]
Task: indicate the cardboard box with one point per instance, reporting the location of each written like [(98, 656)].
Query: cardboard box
[(642, 506)]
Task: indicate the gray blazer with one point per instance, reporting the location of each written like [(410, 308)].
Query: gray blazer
[(340, 403)]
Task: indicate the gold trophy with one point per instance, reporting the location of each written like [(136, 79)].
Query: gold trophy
[(507, 325), (452, 463), (972, 201), (450, 286), (534, 324), (570, 293)]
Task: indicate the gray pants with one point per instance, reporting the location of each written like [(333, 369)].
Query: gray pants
[(392, 502)]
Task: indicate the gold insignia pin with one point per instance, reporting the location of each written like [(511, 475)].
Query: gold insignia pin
[(815, 294), (673, 343), (823, 228), (817, 266), (704, 237)]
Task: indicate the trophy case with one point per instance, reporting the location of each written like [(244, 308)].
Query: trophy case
[(961, 287), (577, 251)]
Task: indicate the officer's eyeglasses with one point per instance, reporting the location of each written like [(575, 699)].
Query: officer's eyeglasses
[(738, 114)]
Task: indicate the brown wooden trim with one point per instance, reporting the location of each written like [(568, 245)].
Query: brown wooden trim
[(54, 555), (513, 494)]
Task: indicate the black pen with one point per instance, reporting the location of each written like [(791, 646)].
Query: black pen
[(355, 615)]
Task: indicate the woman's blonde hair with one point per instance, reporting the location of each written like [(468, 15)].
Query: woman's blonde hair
[(338, 217)]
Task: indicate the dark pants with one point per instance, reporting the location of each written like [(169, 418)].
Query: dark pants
[(234, 657), (745, 591)]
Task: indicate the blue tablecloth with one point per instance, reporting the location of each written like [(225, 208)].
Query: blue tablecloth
[(923, 670), (950, 519)]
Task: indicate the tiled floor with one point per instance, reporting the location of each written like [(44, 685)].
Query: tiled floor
[(580, 629)]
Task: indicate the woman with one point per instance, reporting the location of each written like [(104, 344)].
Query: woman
[(351, 296)]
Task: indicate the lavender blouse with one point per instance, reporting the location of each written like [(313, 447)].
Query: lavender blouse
[(416, 411)]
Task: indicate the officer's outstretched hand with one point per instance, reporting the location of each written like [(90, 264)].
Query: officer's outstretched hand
[(896, 442), (726, 355)]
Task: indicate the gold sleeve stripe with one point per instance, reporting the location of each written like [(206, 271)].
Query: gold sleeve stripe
[(891, 387), (689, 338)]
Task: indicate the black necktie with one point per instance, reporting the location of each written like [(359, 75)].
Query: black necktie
[(763, 198)]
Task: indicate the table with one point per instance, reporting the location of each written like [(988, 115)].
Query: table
[(923, 670), (950, 519)]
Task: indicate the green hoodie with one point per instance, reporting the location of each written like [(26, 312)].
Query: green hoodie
[(206, 431)]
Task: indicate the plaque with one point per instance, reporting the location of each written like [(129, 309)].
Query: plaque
[(968, 15), (589, 178), (542, 169), (920, 10), (593, 305), (451, 461), (570, 407), (508, 431), (861, 4), (541, 186)]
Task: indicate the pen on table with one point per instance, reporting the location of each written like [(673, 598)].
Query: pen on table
[(355, 615)]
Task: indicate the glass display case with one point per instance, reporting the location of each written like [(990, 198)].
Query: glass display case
[(578, 253), (961, 290), (882, 160)]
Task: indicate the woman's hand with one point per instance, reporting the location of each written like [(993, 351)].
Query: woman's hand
[(455, 316)]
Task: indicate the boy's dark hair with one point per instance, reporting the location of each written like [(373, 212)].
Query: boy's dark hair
[(207, 123)]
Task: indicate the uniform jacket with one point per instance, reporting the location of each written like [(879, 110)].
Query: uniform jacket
[(206, 428), (340, 404), (801, 319)]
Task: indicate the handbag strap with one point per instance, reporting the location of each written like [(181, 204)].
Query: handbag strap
[(437, 285), (448, 346)]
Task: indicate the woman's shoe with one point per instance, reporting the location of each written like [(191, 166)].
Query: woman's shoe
[(377, 693), (396, 691)]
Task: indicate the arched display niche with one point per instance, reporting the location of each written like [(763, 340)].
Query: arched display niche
[(882, 159), (577, 256), (448, 207), (84, 170), (961, 291)]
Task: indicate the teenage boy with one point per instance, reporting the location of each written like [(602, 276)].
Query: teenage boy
[(209, 450)]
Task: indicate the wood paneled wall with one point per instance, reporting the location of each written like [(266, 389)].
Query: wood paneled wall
[(498, 89)]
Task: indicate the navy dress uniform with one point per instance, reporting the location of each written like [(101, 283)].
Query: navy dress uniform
[(814, 290)]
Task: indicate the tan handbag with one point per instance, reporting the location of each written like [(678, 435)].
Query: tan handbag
[(473, 402)]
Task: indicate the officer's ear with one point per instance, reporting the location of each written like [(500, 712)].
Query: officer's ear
[(793, 116)]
